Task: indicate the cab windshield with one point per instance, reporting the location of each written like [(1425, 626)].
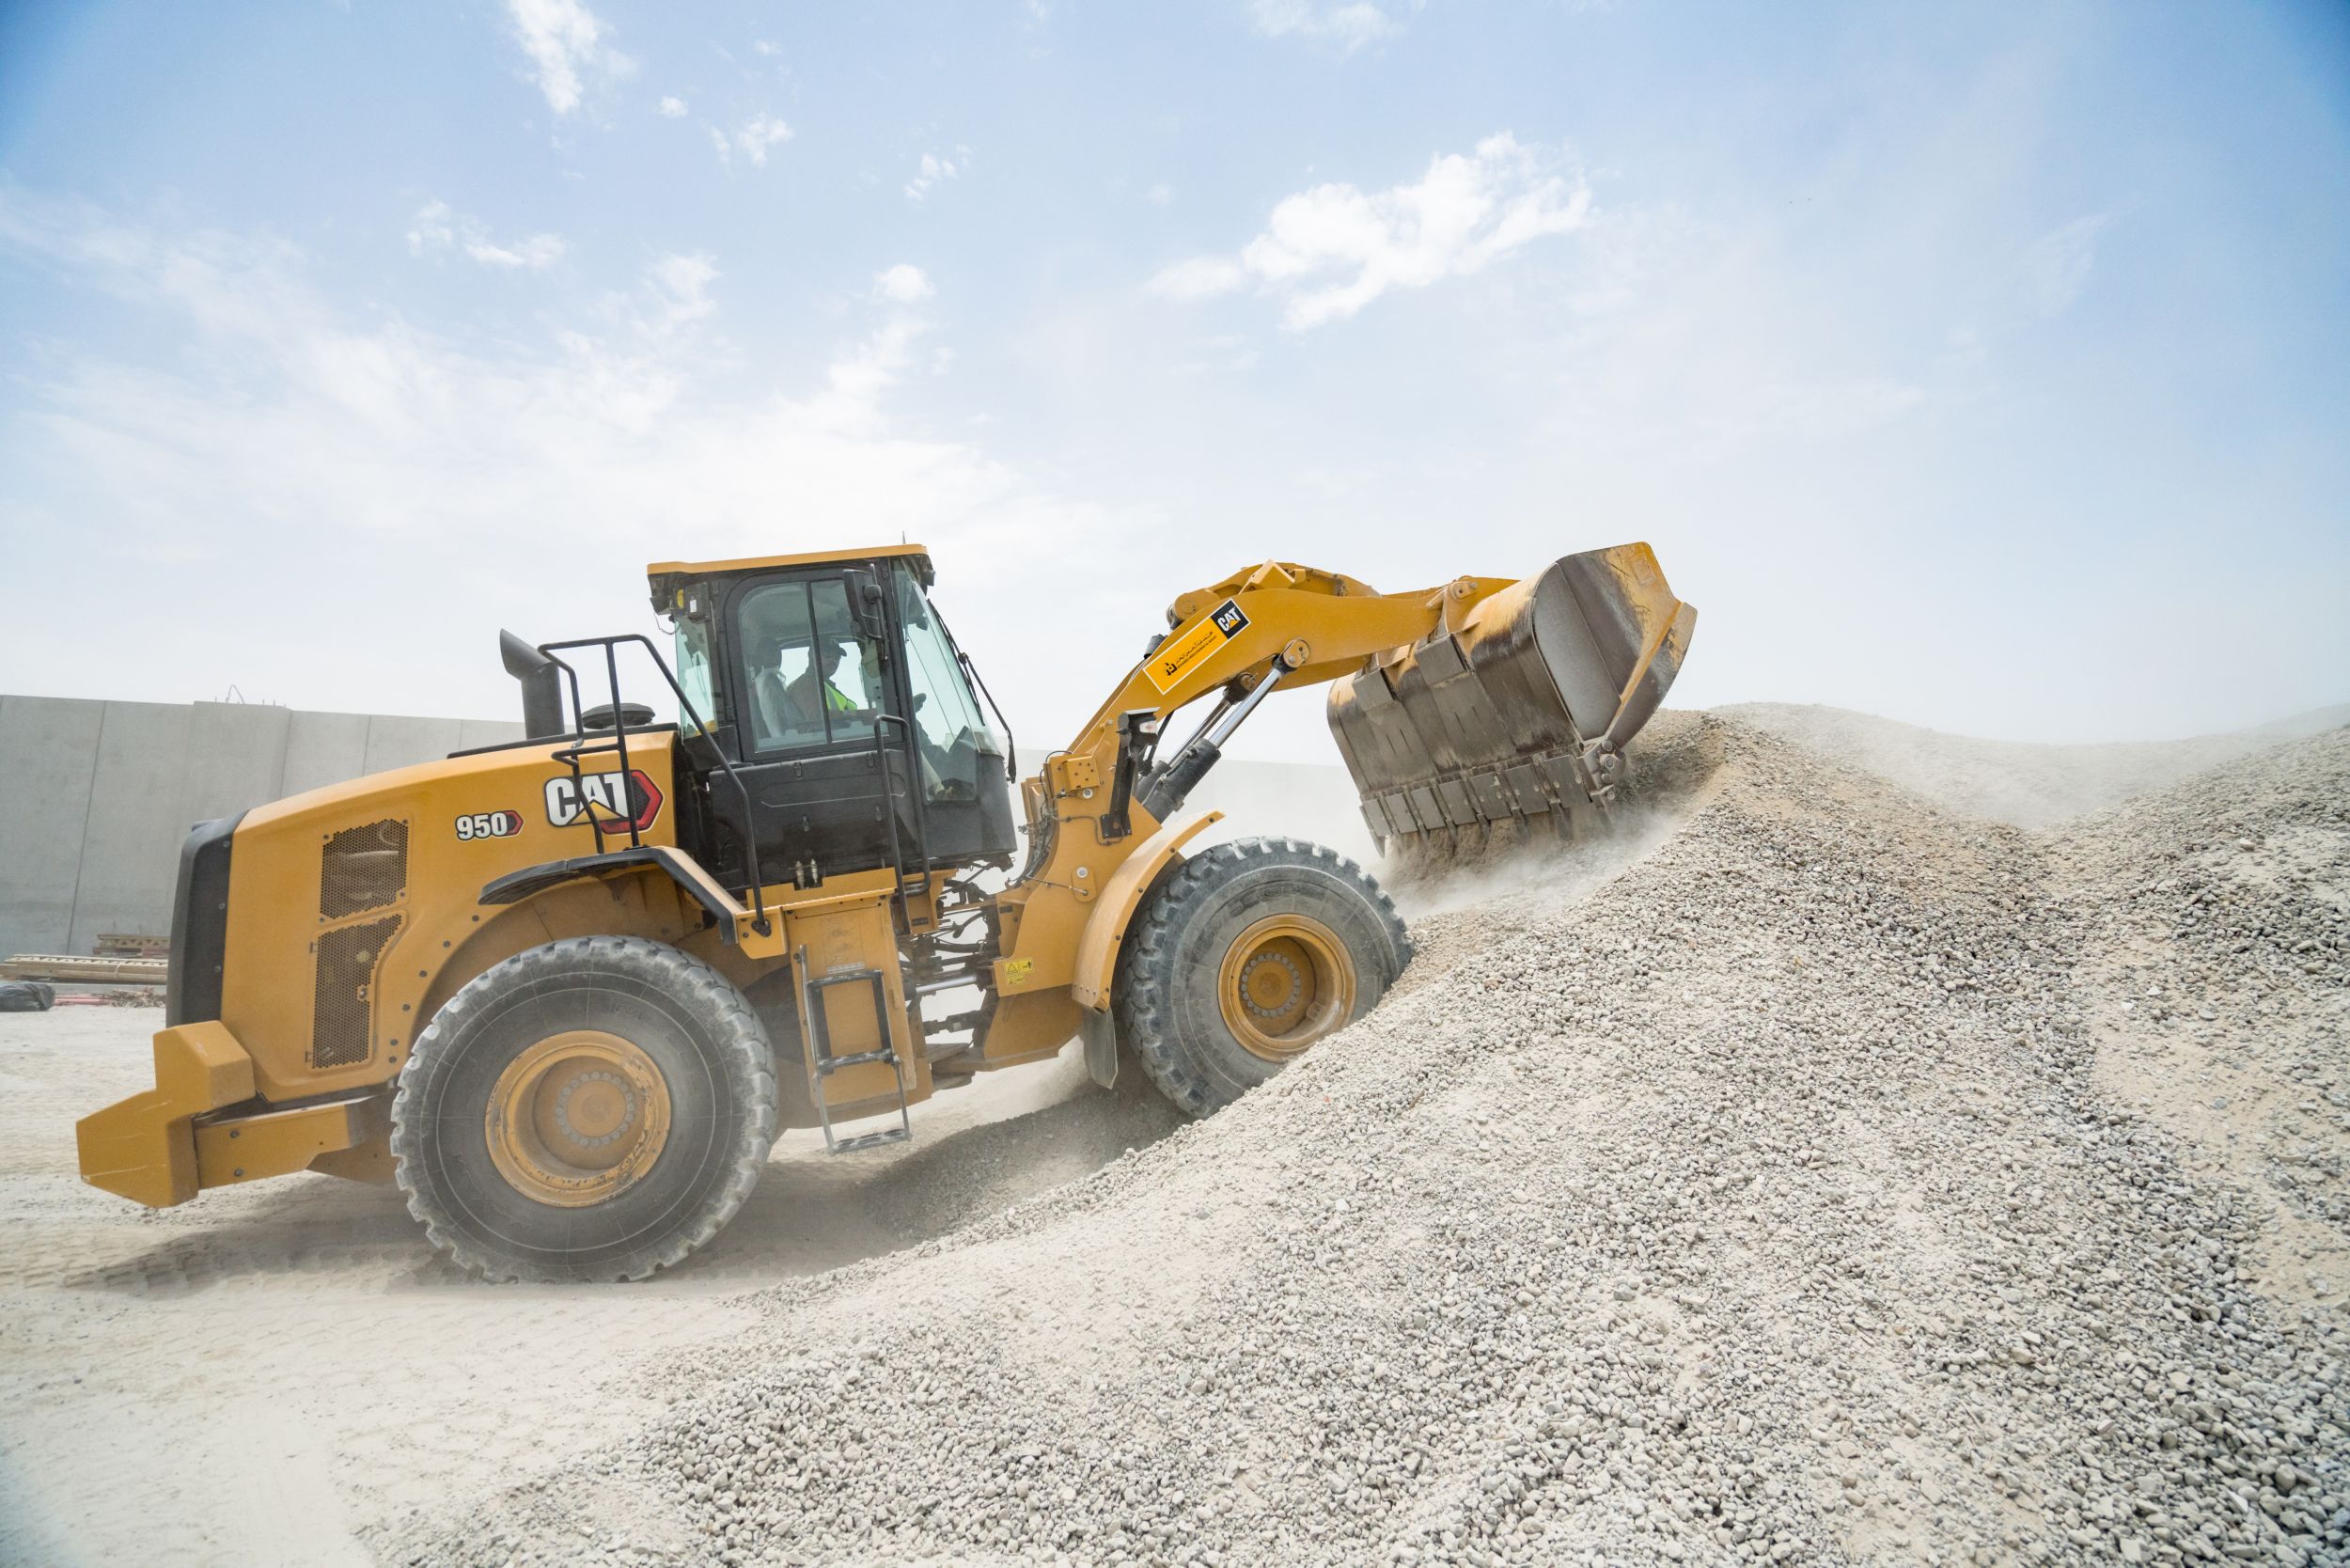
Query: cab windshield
[(958, 750)]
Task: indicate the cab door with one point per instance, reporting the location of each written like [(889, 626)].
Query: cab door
[(813, 672)]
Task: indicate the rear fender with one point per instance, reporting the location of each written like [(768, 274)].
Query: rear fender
[(636, 900)]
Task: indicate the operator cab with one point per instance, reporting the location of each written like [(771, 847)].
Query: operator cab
[(832, 685)]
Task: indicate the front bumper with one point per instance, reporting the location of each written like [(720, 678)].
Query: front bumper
[(202, 1126)]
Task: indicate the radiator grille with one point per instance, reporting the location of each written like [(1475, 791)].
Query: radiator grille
[(348, 960), (363, 867)]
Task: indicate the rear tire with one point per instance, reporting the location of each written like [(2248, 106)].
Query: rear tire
[(1246, 955), (595, 1108)]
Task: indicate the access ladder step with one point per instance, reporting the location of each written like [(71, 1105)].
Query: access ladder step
[(826, 1066), (822, 1063), (872, 1141)]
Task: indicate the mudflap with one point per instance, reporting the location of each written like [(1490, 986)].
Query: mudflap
[(1098, 1031)]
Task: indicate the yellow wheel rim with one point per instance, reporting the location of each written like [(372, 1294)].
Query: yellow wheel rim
[(1284, 983), (576, 1118)]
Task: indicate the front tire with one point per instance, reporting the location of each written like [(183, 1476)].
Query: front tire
[(595, 1108), (1246, 955)]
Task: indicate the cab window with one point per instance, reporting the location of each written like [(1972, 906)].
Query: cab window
[(694, 674), (809, 678)]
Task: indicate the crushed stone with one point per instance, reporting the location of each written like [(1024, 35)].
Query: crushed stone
[(2024, 783), (1758, 1199)]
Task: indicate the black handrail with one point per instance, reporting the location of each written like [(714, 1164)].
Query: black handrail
[(619, 743), (889, 809)]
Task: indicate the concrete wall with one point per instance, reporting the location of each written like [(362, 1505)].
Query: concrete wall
[(97, 797)]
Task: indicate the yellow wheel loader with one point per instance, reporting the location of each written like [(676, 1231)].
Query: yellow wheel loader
[(566, 991)]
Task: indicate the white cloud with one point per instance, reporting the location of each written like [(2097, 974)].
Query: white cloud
[(438, 229), (1222, 355), (1347, 23), (1160, 194), (757, 133), (521, 476), (903, 284), (935, 170), (2058, 264), (680, 285), (563, 38), (1329, 251), (1699, 345), (859, 378), (673, 108), (1199, 277)]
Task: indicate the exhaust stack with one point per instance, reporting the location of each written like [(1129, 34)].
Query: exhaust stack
[(541, 684)]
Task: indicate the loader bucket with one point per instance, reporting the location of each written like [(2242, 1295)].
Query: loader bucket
[(1512, 726)]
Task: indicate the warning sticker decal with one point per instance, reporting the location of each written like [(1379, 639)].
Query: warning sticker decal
[(1174, 657)]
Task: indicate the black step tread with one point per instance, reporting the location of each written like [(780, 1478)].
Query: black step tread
[(833, 1064), (872, 1141), (837, 976)]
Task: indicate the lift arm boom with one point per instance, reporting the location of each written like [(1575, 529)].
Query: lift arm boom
[(1274, 623)]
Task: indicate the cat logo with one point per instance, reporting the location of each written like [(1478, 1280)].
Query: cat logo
[(599, 796)]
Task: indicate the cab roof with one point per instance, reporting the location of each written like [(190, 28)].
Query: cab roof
[(760, 563)]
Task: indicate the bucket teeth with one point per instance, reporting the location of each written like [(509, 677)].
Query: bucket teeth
[(1514, 724)]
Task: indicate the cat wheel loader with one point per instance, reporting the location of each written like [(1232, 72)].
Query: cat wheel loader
[(566, 991)]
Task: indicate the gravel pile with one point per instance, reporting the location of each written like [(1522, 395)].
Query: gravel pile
[(2246, 871), (1758, 1204), (2219, 914), (2016, 781)]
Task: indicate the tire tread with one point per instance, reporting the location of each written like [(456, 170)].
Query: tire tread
[(743, 1054), (1146, 968)]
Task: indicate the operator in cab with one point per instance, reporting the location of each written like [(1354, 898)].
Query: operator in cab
[(816, 692), (789, 708)]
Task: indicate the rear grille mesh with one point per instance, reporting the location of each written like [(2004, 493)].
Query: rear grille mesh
[(363, 867), (348, 960)]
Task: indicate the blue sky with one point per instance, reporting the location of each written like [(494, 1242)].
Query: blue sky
[(1979, 366)]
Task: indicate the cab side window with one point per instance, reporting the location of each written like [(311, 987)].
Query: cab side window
[(809, 680)]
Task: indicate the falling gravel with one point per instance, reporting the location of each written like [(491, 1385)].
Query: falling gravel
[(1750, 1191)]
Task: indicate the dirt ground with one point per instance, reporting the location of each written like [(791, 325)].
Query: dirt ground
[(2126, 1040), (249, 1377)]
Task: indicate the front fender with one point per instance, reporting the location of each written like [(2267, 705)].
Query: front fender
[(1121, 897)]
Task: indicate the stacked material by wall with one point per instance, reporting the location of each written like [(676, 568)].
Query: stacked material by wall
[(96, 797)]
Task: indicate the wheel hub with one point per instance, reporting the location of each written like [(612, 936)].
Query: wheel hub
[(1285, 983), (594, 1108), (1271, 984), (576, 1118)]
